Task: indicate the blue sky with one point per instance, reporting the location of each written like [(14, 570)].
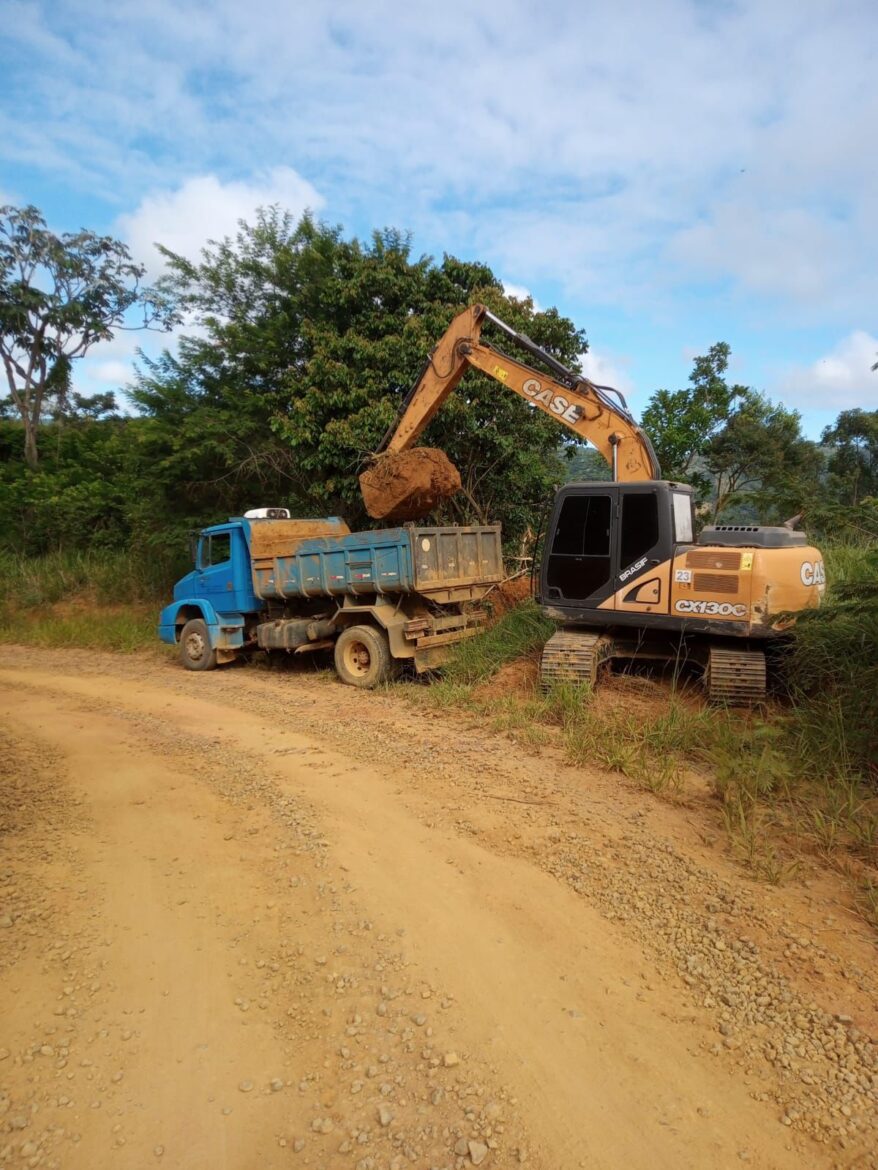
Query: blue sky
[(668, 173)]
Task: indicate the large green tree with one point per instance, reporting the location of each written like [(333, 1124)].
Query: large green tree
[(59, 296), (760, 455), (305, 344), (853, 455), (681, 422)]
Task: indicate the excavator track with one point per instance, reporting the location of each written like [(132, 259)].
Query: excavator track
[(573, 656), (735, 677)]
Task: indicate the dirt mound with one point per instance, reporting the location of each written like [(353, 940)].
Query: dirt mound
[(409, 484), (519, 677), (508, 594)]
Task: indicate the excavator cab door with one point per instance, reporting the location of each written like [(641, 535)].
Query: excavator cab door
[(580, 556), (644, 547)]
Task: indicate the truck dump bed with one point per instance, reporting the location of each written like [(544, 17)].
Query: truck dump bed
[(443, 564)]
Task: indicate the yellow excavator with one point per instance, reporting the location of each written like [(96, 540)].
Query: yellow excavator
[(622, 572)]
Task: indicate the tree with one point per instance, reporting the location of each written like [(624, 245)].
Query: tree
[(681, 422), (853, 458), (59, 296), (761, 452), (307, 345)]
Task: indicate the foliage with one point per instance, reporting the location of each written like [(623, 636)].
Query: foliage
[(832, 670), (302, 344), (682, 422), (760, 452), (585, 463), (853, 462), (124, 630), (307, 345), (519, 632), (99, 577), (59, 296)]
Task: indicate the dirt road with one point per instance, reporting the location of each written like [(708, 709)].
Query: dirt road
[(256, 920)]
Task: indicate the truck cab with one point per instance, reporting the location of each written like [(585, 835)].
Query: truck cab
[(217, 596), (222, 569)]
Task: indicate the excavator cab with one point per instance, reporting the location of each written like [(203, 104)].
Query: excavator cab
[(625, 578), (609, 546)]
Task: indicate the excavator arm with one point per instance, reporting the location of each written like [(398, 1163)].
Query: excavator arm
[(596, 413)]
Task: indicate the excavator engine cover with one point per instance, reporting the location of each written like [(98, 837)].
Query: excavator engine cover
[(408, 485)]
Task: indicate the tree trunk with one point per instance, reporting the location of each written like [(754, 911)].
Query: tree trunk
[(31, 456)]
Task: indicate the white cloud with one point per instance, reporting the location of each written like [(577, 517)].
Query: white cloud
[(204, 208), (840, 380), (608, 370), (790, 252), (520, 293), (617, 150)]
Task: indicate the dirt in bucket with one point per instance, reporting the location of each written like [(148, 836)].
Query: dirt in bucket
[(408, 485)]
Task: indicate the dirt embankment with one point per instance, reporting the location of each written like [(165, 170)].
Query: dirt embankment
[(258, 920), (408, 485)]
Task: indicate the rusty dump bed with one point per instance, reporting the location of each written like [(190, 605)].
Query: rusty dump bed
[(443, 564)]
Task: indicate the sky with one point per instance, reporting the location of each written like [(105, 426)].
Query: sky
[(668, 173)]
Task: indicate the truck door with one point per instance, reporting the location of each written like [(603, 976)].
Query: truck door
[(214, 565), (643, 550), (579, 564)]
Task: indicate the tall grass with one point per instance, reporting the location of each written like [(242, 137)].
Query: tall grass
[(101, 599), (125, 629), (105, 576), (517, 633), (831, 670)]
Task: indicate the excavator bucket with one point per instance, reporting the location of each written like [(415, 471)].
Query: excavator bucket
[(408, 485)]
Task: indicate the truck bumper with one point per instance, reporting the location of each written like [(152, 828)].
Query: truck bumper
[(225, 630)]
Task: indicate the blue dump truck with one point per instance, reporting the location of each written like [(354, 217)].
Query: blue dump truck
[(264, 581)]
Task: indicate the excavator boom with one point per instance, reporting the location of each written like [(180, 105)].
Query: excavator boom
[(407, 489), (596, 413)]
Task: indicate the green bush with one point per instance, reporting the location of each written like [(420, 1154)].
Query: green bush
[(832, 671)]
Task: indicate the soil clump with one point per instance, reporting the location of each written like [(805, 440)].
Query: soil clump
[(408, 485)]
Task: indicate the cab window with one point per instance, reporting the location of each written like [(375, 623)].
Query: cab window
[(579, 563), (682, 517), (640, 527), (216, 549)]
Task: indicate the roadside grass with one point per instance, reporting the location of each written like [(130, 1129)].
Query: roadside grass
[(125, 629), (831, 670), (519, 632), (105, 576), (98, 600)]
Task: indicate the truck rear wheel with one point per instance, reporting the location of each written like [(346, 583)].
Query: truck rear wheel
[(362, 657), (196, 652)]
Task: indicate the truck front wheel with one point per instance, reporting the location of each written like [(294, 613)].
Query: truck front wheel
[(196, 652), (362, 657)]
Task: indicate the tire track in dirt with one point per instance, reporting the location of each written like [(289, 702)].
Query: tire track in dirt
[(606, 1066)]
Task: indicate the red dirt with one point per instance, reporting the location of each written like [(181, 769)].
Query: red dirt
[(507, 595), (518, 678), (407, 485)]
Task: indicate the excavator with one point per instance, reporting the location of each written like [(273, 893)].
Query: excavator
[(622, 572)]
